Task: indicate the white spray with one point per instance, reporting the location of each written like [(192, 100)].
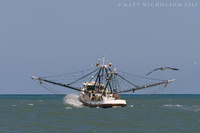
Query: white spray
[(73, 99)]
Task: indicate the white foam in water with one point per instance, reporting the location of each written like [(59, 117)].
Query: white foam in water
[(73, 99), (68, 107), (171, 105), (188, 108)]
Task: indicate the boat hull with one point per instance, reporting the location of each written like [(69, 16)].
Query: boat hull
[(104, 103)]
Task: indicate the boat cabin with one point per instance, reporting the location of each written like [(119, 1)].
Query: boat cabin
[(93, 87), (97, 92)]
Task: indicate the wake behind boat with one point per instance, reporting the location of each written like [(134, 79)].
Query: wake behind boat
[(101, 86)]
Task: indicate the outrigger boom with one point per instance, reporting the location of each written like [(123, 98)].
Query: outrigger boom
[(60, 84), (146, 86), (79, 89)]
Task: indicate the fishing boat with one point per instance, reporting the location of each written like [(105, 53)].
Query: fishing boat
[(102, 85)]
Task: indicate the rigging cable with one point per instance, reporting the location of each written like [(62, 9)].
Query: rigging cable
[(157, 90), (142, 77), (48, 88), (83, 77), (66, 74)]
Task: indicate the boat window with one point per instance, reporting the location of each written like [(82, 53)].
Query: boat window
[(90, 88), (102, 88)]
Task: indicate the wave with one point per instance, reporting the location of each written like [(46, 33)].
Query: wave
[(30, 104), (73, 99), (194, 108), (172, 105)]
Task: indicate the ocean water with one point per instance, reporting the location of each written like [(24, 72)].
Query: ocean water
[(65, 114)]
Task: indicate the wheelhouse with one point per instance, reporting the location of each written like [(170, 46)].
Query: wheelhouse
[(93, 87)]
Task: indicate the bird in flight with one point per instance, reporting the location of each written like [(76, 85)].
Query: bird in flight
[(162, 68)]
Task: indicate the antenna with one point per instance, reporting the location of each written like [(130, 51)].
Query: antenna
[(103, 60)]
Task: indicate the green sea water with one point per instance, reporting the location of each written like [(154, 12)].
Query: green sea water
[(66, 114)]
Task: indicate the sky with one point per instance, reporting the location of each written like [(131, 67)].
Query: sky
[(60, 36)]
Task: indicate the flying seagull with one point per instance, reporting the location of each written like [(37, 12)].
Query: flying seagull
[(162, 68)]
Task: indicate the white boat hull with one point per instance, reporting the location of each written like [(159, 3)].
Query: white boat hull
[(105, 103)]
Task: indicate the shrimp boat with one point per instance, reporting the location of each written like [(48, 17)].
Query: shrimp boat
[(102, 85)]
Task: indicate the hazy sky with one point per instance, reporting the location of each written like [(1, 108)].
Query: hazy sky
[(59, 36)]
